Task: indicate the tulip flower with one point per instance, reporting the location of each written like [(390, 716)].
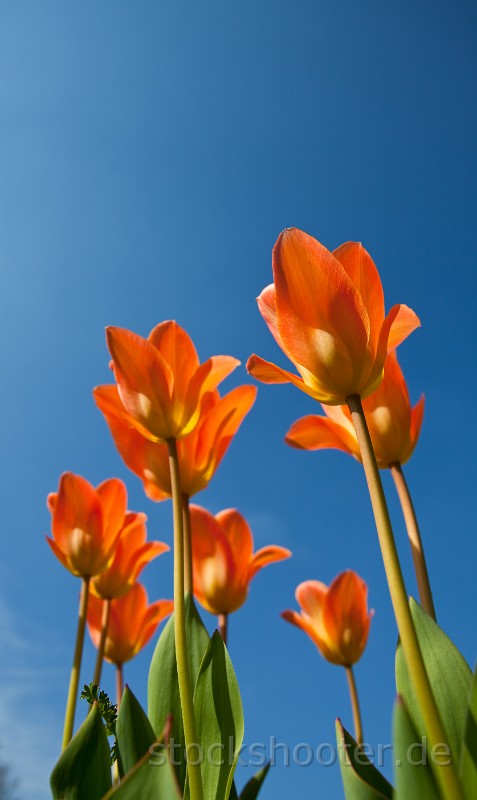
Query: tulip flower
[(223, 559), (160, 381), (326, 312), (86, 523), (131, 555), (394, 426), (336, 619), (132, 623), (199, 453)]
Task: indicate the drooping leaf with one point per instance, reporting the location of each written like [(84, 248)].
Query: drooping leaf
[(413, 774), (361, 779), (133, 730), (163, 687), (468, 756), (219, 719), (83, 771), (449, 675), (251, 789)]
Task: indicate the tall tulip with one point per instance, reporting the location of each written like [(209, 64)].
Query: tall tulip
[(163, 387), (326, 311), (86, 523), (336, 618)]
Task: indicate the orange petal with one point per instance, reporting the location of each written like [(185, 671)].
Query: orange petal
[(346, 617), (267, 555), (362, 271), (177, 349), (239, 536), (145, 381), (310, 597), (206, 379), (417, 415), (321, 318), (113, 496), (404, 322), (267, 372), (317, 433), (77, 508)]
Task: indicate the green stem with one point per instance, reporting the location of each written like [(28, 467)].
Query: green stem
[(185, 688), (75, 669), (104, 632), (445, 775), (222, 620), (414, 534), (119, 684), (188, 578), (353, 693)]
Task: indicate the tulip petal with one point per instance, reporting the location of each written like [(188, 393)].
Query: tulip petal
[(345, 615), (266, 372), (267, 555), (417, 414), (403, 322), (365, 277), (310, 596), (178, 351), (113, 496), (322, 320), (238, 535), (77, 507), (145, 381), (317, 433)]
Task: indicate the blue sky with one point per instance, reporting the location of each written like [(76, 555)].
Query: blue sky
[(150, 154)]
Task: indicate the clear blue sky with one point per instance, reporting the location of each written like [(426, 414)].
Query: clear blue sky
[(150, 154)]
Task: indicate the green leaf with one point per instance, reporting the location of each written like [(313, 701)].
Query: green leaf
[(252, 788), (133, 731), (163, 687), (361, 779), (219, 718), (468, 756), (83, 771), (449, 675), (414, 779), (153, 779)]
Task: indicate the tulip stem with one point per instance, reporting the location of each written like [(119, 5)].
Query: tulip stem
[(119, 684), (353, 693), (75, 669), (445, 775), (104, 632), (413, 532), (188, 580), (185, 688), (222, 623)]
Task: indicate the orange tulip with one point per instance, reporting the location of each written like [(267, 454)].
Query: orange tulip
[(131, 555), (132, 623), (160, 382), (86, 523), (336, 618), (200, 452), (393, 424), (326, 311), (223, 559)]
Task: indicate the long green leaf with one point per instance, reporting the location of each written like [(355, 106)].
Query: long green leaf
[(163, 687), (83, 771), (413, 773), (134, 732), (449, 675), (219, 716), (468, 756), (361, 779), (152, 778), (251, 789)]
